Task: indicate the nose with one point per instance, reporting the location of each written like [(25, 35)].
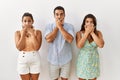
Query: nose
[(59, 16), (89, 23), (27, 23)]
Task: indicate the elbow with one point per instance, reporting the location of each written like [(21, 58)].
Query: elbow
[(101, 45), (79, 46), (19, 48), (49, 41), (70, 40), (37, 49)]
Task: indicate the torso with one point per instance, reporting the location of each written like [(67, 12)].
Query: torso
[(88, 60), (29, 43)]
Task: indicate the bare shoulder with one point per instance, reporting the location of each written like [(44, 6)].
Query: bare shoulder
[(79, 32), (17, 33), (99, 32), (38, 31)]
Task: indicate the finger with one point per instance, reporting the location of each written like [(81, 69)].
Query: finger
[(25, 28), (60, 20)]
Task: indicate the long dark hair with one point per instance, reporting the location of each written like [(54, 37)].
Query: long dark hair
[(94, 22)]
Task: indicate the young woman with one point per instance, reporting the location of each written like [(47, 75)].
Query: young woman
[(28, 41), (88, 39)]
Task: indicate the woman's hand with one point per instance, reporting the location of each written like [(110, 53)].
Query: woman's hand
[(89, 28)]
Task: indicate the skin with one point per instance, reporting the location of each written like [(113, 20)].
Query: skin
[(28, 39), (88, 33), (89, 79), (59, 19)]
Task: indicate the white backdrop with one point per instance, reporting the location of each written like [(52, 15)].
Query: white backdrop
[(107, 13)]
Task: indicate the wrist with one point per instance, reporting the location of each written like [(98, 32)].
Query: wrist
[(92, 33), (56, 28), (60, 27), (86, 33)]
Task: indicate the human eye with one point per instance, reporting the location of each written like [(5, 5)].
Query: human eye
[(87, 21), (56, 14), (61, 14), (29, 21), (91, 22), (24, 21)]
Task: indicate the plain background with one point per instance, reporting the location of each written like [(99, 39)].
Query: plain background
[(107, 13)]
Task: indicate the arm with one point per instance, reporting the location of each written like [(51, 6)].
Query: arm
[(98, 39), (37, 39), (80, 40), (68, 37), (51, 36), (19, 40)]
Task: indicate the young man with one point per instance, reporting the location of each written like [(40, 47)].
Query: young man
[(60, 36)]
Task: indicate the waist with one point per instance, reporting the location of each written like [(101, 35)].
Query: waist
[(89, 48), (26, 52)]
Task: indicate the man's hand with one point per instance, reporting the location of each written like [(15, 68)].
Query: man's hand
[(59, 23)]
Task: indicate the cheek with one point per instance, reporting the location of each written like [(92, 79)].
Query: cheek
[(30, 23), (23, 23), (62, 17), (86, 24), (56, 17)]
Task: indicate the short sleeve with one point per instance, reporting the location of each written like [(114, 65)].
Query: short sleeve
[(48, 29), (71, 30)]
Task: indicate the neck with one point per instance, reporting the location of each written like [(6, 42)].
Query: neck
[(28, 27)]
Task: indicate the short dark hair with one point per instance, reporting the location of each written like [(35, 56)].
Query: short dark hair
[(27, 14), (59, 8)]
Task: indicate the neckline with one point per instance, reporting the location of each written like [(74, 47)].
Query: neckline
[(89, 42)]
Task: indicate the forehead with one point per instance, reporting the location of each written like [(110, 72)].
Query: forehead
[(89, 19), (27, 18), (59, 11)]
